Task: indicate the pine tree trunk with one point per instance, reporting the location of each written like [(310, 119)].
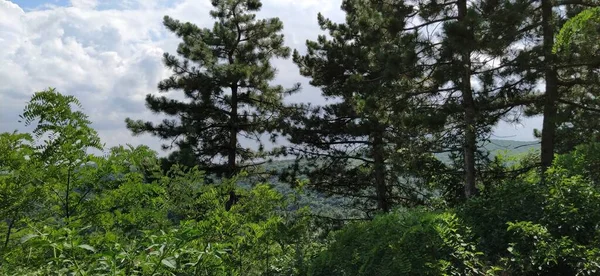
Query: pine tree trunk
[(379, 169), (233, 132), (551, 95), (231, 164), (470, 141)]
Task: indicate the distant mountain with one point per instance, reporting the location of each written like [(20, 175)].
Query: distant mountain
[(511, 146), (331, 206), (495, 147), (504, 147)]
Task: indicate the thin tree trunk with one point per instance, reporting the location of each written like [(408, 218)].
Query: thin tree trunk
[(231, 162), (470, 142), (233, 120), (231, 154), (379, 169), (68, 194), (9, 231), (551, 95)]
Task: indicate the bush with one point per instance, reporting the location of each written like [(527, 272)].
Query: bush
[(551, 227), (402, 243)]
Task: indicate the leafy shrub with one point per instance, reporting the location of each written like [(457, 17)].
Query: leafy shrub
[(402, 243), (253, 237), (550, 227)]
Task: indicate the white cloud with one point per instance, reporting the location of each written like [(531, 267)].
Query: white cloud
[(111, 58), (108, 54), (84, 4)]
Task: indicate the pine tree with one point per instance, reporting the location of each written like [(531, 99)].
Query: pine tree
[(551, 85), (538, 60), (224, 73), (521, 35), (366, 144), (471, 63)]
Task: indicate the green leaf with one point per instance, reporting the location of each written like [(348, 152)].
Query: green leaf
[(28, 237), (169, 262), (87, 247)]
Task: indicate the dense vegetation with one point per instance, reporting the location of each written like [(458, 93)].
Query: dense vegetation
[(395, 176)]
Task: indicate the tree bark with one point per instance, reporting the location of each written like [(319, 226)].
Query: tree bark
[(470, 139), (9, 231), (379, 170), (551, 95), (233, 132), (232, 168), (233, 120)]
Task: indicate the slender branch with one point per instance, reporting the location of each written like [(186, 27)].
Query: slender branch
[(579, 105)]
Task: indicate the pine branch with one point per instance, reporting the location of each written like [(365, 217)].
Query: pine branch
[(584, 107), (587, 3)]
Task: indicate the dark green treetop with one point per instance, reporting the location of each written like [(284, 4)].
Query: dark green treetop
[(224, 73), (479, 73), (369, 68)]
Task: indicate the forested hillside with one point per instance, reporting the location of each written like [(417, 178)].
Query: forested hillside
[(336, 206), (510, 147), (396, 174)]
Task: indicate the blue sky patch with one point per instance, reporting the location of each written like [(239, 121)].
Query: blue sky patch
[(35, 4), (102, 4)]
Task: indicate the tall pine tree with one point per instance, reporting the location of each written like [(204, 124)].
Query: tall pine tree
[(368, 142), (544, 20), (224, 73), (577, 84), (470, 57)]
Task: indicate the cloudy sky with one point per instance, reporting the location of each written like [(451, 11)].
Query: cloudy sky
[(108, 54)]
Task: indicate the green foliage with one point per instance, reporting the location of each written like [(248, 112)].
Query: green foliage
[(253, 238), (519, 226), (402, 243), (583, 161), (531, 227), (257, 235), (576, 49), (64, 251), (122, 198), (127, 216), (489, 213), (402, 94), (67, 133), (20, 182), (70, 212), (564, 240), (579, 34)]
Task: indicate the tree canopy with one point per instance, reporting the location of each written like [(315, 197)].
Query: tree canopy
[(392, 176)]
